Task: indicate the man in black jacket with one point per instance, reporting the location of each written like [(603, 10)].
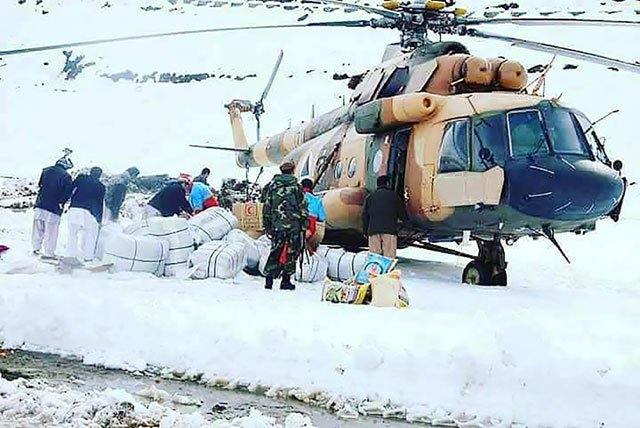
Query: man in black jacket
[(380, 214), (85, 214), (54, 191), (170, 201)]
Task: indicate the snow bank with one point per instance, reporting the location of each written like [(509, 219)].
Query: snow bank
[(36, 403)]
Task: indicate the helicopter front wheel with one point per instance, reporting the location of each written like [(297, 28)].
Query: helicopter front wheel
[(489, 268)]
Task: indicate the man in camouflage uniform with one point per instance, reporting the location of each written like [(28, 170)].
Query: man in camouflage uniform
[(284, 218)]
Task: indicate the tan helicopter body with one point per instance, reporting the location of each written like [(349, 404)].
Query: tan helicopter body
[(418, 118)]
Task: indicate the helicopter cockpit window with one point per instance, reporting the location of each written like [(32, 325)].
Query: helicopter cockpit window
[(526, 133), (454, 155), (488, 142), (565, 137)]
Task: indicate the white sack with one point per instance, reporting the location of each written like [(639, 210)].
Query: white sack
[(136, 253), (106, 232), (313, 269), (212, 224), (253, 255), (343, 264), (176, 232), (218, 259), (263, 244), (139, 228)]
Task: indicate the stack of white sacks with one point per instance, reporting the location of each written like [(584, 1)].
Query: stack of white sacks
[(167, 246)]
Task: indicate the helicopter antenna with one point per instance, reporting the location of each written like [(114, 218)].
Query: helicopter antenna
[(601, 119), (541, 79), (258, 106)]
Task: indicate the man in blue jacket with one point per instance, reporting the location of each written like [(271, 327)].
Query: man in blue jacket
[(317, 216), (54, 191), (85, 214)]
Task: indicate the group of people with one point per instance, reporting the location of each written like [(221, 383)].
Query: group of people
[(89, 195), (293, 217)]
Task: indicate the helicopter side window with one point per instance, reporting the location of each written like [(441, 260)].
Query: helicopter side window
[(396, 83), (454, 155), (566, 138), (488, 142), (526, 133)]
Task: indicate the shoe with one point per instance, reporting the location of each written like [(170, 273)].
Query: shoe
[(268, 283), (286, 283)]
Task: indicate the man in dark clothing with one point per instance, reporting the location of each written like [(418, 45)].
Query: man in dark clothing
[(380, 214), (54, 191), (285, 220), (203, 177), (116, 190), (85, 214), (170, 201)]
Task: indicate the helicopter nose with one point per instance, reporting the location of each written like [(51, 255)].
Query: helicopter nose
[(562, 189)]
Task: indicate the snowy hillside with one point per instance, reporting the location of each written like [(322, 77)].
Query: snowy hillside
[(559, 347)]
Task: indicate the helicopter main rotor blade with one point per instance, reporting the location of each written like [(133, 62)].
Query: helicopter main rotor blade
[(273, 76), (374, 10), (560, 50), (356, 23), (548, 21)]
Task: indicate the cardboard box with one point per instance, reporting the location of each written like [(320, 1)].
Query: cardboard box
[(249, 215)]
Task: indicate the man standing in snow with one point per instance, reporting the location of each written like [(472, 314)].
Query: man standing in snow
[(54, 191), (317, 216), (85, 214), (380, 214), (116, 190), (170, 201), (285, 220)]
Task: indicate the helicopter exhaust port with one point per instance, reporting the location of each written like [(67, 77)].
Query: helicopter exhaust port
[(393, 112)]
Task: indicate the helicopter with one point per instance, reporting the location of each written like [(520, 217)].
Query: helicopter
[(472, 149)]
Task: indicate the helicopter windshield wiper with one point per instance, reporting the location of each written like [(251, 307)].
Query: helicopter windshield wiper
[(560, 50)]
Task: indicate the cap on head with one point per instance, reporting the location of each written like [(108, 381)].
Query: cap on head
[(64, 162), (133, 171), (287, 167), (205, 171), (96, 172), (382, 180)]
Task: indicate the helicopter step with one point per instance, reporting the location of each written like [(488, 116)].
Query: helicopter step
[(489, 267)]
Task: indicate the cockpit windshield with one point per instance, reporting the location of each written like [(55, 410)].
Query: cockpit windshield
[(526, 133)]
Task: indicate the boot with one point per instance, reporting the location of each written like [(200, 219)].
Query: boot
[(286, 283), (268, 283)]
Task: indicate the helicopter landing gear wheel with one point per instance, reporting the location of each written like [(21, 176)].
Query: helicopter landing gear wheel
[(489, 268)]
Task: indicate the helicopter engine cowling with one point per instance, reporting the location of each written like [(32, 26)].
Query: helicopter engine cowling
[(388, 113), (462, 73)]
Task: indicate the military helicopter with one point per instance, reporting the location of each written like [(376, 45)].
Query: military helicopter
[(473, 150)]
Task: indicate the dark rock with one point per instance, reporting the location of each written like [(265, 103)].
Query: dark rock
[(151, 8), (569, 67), (536, 69), (310, 71), (614, 68), (303, 17), (340, 76)]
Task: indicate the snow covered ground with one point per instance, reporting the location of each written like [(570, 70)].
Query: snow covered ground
[(559, 347)]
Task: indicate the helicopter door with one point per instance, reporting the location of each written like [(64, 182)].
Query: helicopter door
[(397, 164), (456, 184)]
